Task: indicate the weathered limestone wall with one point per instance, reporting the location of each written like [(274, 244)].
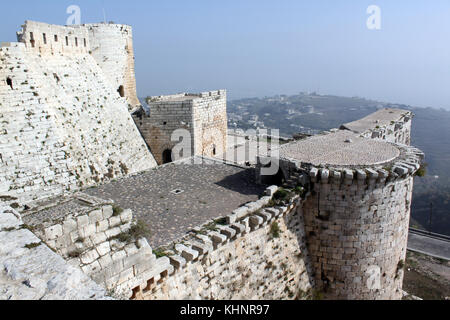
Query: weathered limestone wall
[(203, 115), (392, 125), (29, 270), (395, 132), (112, 48), (355, 231), (356, 223), (166, 116), (111, 45), (63, 125), (96, 236), (50, 39), (241, 259), (211, 124)]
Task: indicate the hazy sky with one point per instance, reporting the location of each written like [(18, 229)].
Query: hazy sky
[(259, 47)]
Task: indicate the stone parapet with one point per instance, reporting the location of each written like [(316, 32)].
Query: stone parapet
[(211, 262)]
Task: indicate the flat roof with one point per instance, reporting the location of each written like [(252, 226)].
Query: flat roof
[(380, 118), (173, 98), (340, 149), (205, 192)]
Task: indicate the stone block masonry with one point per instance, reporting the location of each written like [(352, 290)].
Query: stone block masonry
[(203, 115), (111, 46), (94, 235), (357, 212), (63, 125), (259, 254), (29, 270), (392, 125), (354, 226)]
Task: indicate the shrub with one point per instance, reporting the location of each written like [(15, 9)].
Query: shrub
[(422, 172), (117, 210), (281, 194)]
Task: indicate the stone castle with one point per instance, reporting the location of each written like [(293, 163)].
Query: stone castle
[(93, 205)]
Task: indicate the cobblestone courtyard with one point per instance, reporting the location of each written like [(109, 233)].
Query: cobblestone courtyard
[(205, 192)]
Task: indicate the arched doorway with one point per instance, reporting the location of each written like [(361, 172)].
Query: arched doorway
[(121, 91), (167, 156)]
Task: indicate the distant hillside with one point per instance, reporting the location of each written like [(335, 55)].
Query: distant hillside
[(311, 113)]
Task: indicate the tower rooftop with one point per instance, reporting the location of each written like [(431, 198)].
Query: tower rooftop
[(340, 149)]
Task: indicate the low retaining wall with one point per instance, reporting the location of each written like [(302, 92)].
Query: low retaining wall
[(95, 236), (29, 270)]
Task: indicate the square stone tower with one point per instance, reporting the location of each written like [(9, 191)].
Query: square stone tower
[(202, 116)]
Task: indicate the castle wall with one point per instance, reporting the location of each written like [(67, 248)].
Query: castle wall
[(94, 235), (356, 232), (63, 125), (202, 115), (165, 118), (239, 259), (391, 125), (50, 39), (242, 257), (356, 225), (395, 132), (211, 124), (112, 49)]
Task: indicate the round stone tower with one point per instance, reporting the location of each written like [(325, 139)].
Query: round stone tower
[(357, 211), (112, 48)]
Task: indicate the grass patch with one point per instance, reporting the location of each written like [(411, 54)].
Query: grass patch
[(159, 253), (275, 230), (137, 231)]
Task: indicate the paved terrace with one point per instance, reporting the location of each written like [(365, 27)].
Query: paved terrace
[(206, 191)]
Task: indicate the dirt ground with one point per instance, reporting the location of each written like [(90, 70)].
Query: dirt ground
[(426, 277)]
